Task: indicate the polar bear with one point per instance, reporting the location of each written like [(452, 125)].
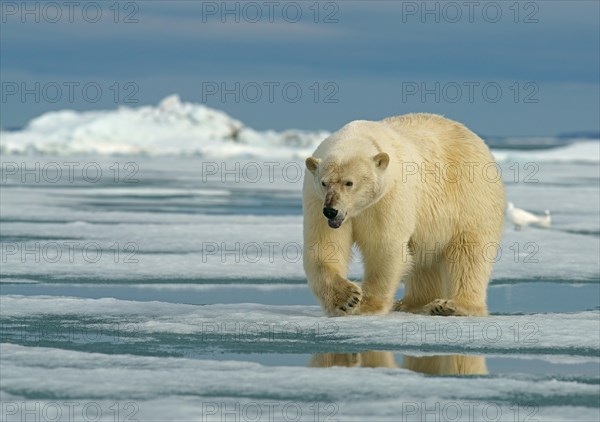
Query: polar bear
[(423, 200)]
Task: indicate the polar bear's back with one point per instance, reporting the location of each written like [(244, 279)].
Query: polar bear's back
[(436, 139), (475, 193), (435, 130)]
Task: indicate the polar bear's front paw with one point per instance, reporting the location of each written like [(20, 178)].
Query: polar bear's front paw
[(346, 298), (441, 307), (399, 306)]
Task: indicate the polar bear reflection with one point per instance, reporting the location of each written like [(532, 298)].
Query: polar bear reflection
[(433, 365)]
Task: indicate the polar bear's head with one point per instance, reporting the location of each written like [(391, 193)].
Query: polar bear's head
[(348, 186)]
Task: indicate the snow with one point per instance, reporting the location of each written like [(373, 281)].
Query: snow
[(187, 388), (251, 247), (182, 226), (172, 127), (577, 152), (189, 330), (538, 333), (175, 127)]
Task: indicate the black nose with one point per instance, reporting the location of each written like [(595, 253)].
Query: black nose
[(330, 212)]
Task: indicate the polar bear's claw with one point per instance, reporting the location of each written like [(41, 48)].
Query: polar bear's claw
[(441, 307), (348, 297)]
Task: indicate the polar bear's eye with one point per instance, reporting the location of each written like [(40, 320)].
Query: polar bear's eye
[(323, 184), (348, 183)]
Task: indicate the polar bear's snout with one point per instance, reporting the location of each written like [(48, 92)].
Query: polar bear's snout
[(330, 212), (334, 217)]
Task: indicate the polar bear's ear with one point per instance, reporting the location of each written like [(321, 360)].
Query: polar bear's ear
[(382, 160), (312, 163)]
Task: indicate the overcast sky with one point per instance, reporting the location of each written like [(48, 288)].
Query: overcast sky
[(503, 70)]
